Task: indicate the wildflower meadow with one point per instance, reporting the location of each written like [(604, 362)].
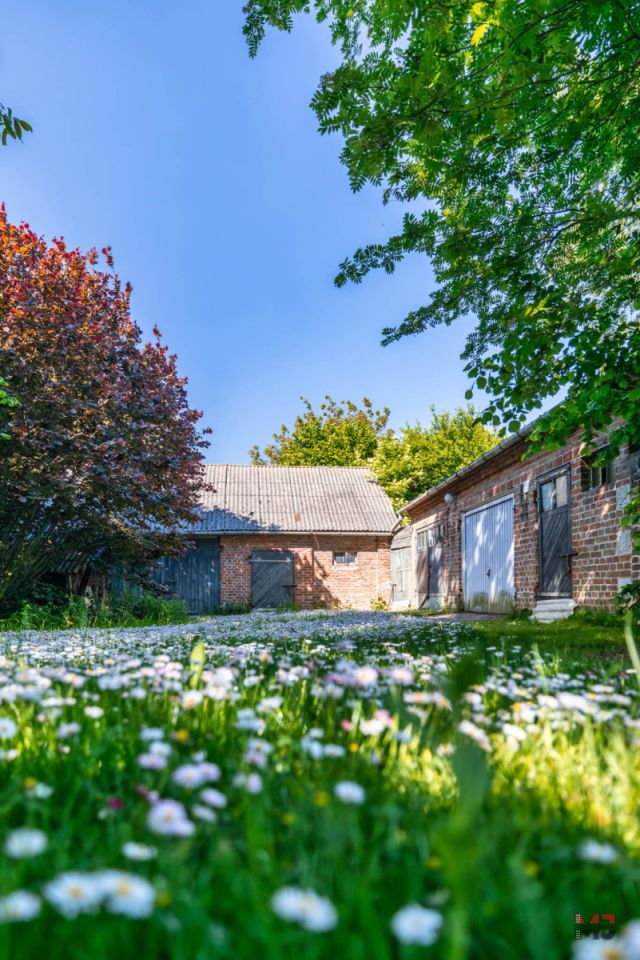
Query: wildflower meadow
[(314, 785)]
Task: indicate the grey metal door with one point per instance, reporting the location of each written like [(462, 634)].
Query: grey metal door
[(271, 578), (554, 536), (195, 577)]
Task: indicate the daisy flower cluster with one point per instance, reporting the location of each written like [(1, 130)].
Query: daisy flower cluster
[(313, 778)]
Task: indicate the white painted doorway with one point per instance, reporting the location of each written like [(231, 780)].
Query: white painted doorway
[(487, 550)]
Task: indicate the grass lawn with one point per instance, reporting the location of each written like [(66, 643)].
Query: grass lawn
[(582, 637), (577, 637), (310, 786)]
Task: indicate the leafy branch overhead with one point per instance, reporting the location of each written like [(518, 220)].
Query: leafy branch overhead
[(511, 132), (11, 127)]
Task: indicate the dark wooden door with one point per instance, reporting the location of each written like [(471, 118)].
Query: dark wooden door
[(422, 573), (271, 578), (195, 577), (554, 533), (436, 569), (430, 564)]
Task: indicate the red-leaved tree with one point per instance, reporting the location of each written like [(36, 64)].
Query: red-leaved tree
[(103, 456)]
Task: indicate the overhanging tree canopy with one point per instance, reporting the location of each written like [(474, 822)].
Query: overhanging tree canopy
[(513, 132), (103, 456)]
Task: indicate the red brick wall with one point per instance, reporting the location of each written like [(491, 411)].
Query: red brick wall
[(318, 581), (604, 555)]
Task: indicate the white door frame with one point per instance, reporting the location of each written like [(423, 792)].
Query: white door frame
[(478, 509)]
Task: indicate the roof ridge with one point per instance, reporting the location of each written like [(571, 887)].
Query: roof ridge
[(296, 466)]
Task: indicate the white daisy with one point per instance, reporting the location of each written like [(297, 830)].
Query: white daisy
[(25, 842), (19, 906), (349, 792), (138, 851), (169, 818), (8, 728), (213, 798), (127, 894), (595, 852), (417, 925), (75, 893), (306, 908)]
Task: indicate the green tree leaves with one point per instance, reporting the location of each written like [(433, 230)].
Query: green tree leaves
[(11, 127), (340, 433), (418, 457), (517, 127)]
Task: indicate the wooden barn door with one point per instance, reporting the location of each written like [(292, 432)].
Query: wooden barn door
[(272, 579), (195, 577), (430, 566), (401, 576), (554, 536)]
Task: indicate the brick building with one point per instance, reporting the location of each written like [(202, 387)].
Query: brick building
[(543, 532), (270, 535)]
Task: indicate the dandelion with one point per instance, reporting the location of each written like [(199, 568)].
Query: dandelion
[(306, 908), (416, 925), (19, 907), (169, 818), (349, 792), (75, 893), (25, 842)]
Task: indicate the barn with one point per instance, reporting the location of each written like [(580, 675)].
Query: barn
[(542, 532), (272, 536)]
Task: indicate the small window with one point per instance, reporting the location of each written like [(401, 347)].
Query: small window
[(433, 536), (346, 559), (554, 493), (596, 474)]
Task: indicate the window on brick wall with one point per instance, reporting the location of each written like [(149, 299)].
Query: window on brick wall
[(595, 473), (345, 558)]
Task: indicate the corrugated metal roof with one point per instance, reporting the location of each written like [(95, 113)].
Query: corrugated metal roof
[(243, 498)]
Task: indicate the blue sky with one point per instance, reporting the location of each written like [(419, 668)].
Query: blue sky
[(155, 133)]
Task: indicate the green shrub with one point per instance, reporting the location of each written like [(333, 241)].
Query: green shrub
[(231, 608), (65, 611)]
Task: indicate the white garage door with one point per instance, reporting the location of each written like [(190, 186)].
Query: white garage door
[(488, 557)]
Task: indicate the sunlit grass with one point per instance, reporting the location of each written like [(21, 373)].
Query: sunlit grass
[(481, 823)]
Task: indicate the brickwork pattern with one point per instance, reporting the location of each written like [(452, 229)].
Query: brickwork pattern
[(319, 582), (604, 557)]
